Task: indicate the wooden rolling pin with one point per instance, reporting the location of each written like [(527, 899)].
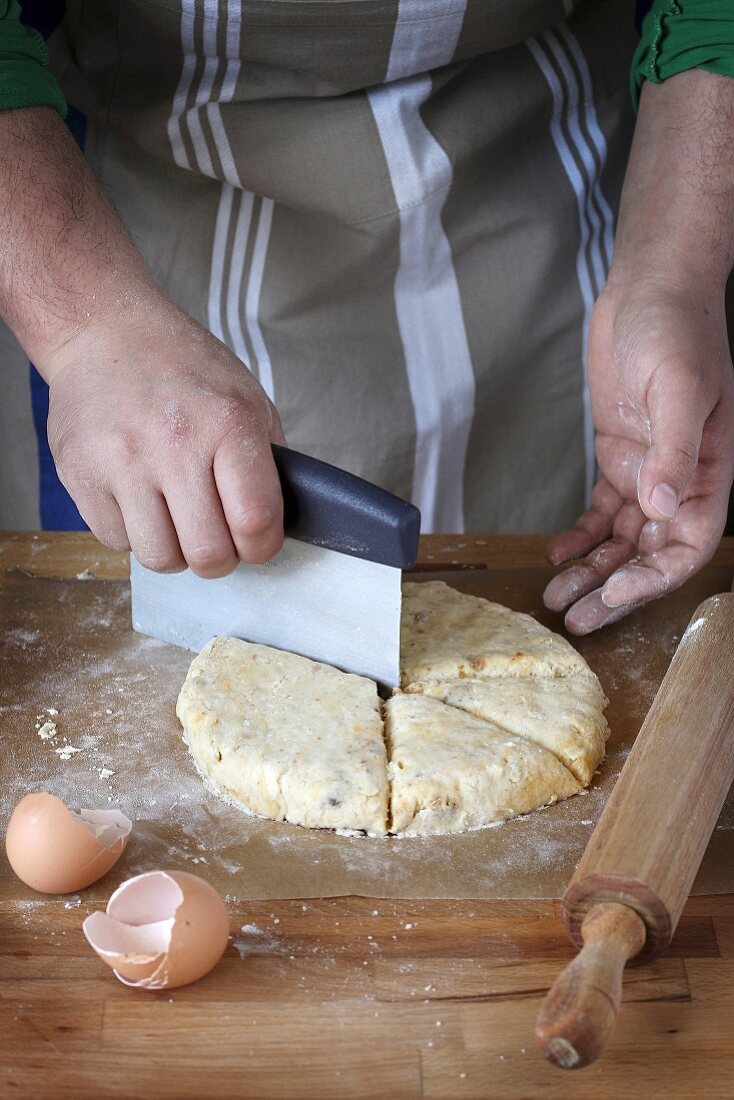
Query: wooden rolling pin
[(628, 891)]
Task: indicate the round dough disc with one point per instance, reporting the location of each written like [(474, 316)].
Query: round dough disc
[(497, 716)]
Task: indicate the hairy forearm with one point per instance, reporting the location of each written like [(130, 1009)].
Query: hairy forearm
[(159, 433), (677, 211), (65, 257)]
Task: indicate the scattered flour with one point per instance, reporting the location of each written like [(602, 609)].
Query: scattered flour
[(117, 690), (256, 941), (66, 751), (694, 627)]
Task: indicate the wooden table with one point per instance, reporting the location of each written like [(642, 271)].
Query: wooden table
[(353, 997)]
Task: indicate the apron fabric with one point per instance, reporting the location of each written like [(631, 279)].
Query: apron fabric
[(398, 213)]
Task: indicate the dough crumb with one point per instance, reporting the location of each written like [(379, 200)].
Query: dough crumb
[(66, 751), (105, 773), (85, 575), (47, 731)]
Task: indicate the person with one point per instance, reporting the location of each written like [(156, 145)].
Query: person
[(400, 216)]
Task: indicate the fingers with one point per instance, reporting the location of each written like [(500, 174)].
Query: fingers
[(591, 613), (590, 574), (95, 501), (249, 489), (602, 560), (575, 542), (588, 531), (679, 406), (103, 517), (150, 530), (660, 558), (203, 534), (637, 582), (662, 567)]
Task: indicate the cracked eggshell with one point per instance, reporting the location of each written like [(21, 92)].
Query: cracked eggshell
[(56, 851), (161, 930)]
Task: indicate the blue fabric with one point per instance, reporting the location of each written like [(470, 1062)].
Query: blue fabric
[(57, 510), (43, 15), (642, 7)]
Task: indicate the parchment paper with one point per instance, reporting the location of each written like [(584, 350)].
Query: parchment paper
[(68, 646)]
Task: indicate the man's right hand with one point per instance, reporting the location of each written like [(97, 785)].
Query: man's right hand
[(162, 437)]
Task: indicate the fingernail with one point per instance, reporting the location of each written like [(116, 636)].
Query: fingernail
[(610, 598), (665, 499), (607, 599)]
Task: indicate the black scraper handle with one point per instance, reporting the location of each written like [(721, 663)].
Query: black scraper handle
[(331, 508)]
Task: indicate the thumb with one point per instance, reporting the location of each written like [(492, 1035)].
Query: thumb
[(678, 410)]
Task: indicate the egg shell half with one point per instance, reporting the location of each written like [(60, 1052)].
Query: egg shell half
[(161, 930), (56, 851)]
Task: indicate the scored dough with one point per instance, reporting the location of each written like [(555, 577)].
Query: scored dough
[(288, 738), (450, 771), (564, 715), (497, 716), (447, 635)]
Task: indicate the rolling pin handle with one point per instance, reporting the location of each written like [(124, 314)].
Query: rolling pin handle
[(580, 1010)]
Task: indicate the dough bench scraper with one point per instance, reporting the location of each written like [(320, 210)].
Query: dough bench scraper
[(333, 593)]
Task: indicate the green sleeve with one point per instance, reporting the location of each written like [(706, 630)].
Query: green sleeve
[(24, 79), (684, 34)]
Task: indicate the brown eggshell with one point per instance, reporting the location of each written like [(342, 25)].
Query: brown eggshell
[(53, 851), (162, 929)]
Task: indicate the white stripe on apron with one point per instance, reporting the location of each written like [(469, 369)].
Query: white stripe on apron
[(229, 83), (216, 271), (226, 279), (425, 36), (596, 136), (204, 94), (595, 217), (252, 300), (236, 272), (188, 68), (428, 305)]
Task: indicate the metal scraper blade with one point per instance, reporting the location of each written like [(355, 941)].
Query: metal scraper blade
[(325, 605)]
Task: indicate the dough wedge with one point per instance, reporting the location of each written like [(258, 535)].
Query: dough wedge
[(450, 771), (285, 737), (447, 635), (564, 715)]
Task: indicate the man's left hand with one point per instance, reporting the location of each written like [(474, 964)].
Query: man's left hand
[(660, 373), (662, 393)]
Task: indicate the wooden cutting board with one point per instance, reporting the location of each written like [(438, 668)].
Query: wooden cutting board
[(364, 996), (68, 646)]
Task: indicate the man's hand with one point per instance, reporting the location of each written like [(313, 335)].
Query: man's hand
[(159, 432), (162, 437), (660, 372), (663, 402)]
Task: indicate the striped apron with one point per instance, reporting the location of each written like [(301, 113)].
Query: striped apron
[(397, 213)]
